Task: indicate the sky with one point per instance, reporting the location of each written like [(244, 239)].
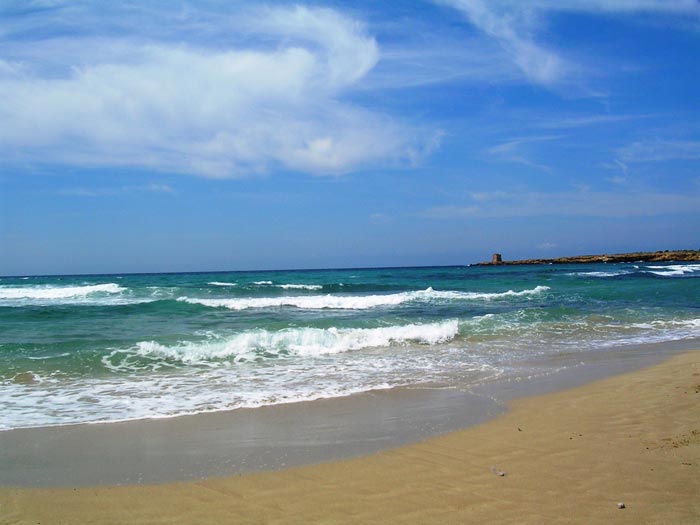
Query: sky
[(198, 135)]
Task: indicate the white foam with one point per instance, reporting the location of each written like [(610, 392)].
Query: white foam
[(57, 292), (291, 286), (674, 270), (597, 274), (357, 302), (692, 324), (300, 364), (255, 345), (218, 283), (299, 286)]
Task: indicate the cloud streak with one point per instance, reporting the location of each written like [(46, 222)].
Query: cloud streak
[(122, 190), (514, 151), (658, 151), (515, 25), (210, 111), (567, 204)]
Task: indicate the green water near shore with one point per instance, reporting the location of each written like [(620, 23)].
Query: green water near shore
[(116, 347)]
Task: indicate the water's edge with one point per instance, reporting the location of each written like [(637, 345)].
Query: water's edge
[(276, 437)]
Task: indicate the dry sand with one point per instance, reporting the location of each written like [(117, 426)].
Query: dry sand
[(569, 457)]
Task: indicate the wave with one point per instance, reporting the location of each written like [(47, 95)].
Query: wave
[(356, 302), (256, 345), (670, 270), (299, 286), (674, 270), (218, 283), (288, 286), (692, 324), (58, 292), (599, 274)]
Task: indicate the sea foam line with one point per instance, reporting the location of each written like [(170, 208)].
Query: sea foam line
[(674, 270), (57, 292), (356, 302), (270, 284), (292, 286), (599, 274), (299, 286)]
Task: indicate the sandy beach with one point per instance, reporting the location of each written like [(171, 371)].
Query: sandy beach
[(570, 456), (300, 262)]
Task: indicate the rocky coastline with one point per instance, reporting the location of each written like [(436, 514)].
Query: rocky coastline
[(658, 256)]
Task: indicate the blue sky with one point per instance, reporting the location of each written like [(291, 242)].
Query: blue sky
[(221, 135)]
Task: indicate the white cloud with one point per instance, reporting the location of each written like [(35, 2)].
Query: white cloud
[(215, 112), (515, 24), (592, 6), (122, 190), (510, 27), (450, 212), (659, 151), (582, 203), (379, 218), (516, 151), (440, 59), (618, 180), (589, 120)]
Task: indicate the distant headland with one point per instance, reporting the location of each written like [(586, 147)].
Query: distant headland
[(659, 256)]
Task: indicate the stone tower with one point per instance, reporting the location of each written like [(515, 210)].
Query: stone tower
[(496, 259)]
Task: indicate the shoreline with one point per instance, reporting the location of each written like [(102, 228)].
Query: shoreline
[(276, 437), (570, 455)]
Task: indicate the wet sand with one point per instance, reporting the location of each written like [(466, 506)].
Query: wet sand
[(276, 437), (568, 456)]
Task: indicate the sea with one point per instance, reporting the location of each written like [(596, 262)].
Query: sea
[(107, 348)]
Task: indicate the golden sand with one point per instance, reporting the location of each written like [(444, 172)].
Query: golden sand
[(571, 456)]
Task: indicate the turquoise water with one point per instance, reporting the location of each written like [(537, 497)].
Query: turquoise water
[(117, 347)]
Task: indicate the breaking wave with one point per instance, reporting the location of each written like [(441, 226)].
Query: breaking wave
[(674, 270), (57, 292), (357, 302), (299, 286), (599, 274), (256, 345)]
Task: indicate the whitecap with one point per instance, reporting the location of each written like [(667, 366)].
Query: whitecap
[(673, 270), (597, 274), (300, 286), (254, 345), (357, 302), (57, 292)]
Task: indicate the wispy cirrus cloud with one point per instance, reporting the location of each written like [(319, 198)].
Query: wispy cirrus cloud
[(435, 59), (516, 25), (590, 120), (380, 218), (577, 203), (275, 96), (658, 150), (113, 191), (516, 151)]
